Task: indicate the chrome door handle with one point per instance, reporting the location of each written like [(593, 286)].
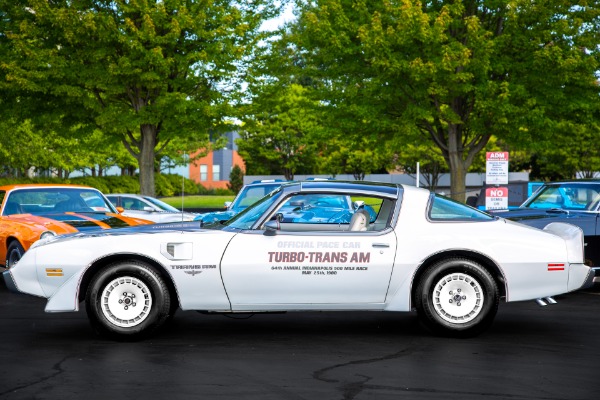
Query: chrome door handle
[(381, 245)]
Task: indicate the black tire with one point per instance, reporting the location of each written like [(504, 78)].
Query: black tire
[(14, 253), (457, 297), (113, 301)]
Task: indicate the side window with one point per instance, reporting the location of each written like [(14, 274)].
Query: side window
[(334, 212), (132, 204), (446, 209)]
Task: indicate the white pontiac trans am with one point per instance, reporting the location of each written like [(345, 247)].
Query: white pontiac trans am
[(450, 262)]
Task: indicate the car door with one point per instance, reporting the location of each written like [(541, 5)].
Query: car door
[(592, 243), (312, 263)]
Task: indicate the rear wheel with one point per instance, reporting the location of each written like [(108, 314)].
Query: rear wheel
[(128, 300), (14, 253), (457, 297)]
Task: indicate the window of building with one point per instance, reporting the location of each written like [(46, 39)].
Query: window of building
[(216, 173), (203, 172)]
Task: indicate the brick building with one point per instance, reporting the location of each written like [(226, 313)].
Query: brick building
[(212, 171)]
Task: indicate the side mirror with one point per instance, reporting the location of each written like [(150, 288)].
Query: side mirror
[(149, 209), (271, 228), (227, 204), (120, 210)]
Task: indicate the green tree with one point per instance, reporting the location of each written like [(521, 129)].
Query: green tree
[(358, 157), (236, 179), (278, 132), (460, 71), (431, 162), (143, 71)]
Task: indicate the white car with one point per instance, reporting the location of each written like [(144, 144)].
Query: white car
[(147, 207), (450, 262)]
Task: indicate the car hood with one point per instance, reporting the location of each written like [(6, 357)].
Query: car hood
[(542, 217), (528, 213), (70, 221), (190, 226)]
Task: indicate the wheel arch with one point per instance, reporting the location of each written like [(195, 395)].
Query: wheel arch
[(491, 266), (11, 239), (100, 263)]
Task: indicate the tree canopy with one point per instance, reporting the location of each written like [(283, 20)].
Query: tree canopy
[(142, 71), (350, 86), (459, 71), (279, 132)]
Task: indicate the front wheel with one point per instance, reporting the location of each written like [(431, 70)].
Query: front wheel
[(128, 300), (14, 252), (457, 297)]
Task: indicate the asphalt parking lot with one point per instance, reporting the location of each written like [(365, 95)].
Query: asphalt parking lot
[(529, 353)]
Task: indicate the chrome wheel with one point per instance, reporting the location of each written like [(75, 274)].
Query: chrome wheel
[(13, 254), (126, 301), (458, 298)]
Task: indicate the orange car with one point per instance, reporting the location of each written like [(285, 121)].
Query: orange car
[(30, 212)]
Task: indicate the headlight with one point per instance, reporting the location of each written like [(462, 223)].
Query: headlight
[(47, 234)]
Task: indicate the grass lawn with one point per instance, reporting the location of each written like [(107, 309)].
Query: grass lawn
[(198, 201)]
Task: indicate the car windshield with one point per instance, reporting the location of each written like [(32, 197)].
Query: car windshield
[(566, 196), (161, 204), (250, 215), (38, 201), (251, 194)]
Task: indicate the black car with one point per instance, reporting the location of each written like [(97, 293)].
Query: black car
[(575, 202)]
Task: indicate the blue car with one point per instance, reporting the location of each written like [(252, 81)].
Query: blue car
[(576, 202), (249, 195), (323, 208), (309, 208)]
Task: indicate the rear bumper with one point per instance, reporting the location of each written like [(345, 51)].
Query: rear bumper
[(591, 279), (581, 276), (596, 271)]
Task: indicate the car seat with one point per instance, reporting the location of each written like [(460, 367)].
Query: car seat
[(360, 221)]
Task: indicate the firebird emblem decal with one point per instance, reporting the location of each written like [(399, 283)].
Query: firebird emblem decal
[(193, 272)]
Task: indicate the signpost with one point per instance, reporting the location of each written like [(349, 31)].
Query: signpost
[(496, 198), (496, 173), (496, 167)]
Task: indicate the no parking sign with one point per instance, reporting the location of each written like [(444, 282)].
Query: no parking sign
[(496, 198)]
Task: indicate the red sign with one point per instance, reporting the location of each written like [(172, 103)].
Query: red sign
[(496, 198), (496, 156)]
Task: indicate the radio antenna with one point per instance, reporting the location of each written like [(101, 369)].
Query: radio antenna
[(182, 189)]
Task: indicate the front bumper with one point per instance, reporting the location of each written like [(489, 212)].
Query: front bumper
[(10, 282)]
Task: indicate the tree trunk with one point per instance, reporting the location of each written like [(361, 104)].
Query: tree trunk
[(458, 177), (288, 173), (146, 159), (458, 169)]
